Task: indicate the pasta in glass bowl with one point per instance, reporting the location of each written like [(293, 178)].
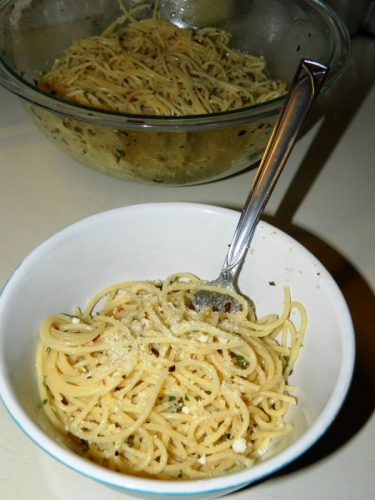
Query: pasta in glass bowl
[(179, 110), (140, 392)]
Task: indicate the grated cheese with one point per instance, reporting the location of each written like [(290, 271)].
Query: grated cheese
[(239, 445)]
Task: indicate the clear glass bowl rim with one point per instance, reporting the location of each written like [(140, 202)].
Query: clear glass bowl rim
[(337, 62)]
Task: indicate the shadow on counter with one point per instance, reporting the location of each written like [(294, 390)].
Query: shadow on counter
[(338, 106), (359, 403)]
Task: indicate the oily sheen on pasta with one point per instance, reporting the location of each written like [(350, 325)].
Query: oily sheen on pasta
[(143, 384), (153, 67)]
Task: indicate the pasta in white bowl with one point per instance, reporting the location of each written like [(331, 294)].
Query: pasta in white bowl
[(146, 385), (152, 408)]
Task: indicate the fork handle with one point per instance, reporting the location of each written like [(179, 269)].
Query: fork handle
[(304, 89)]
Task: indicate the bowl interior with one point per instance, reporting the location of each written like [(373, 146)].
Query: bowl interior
[(179, 150), (152, 241), (281, 31)]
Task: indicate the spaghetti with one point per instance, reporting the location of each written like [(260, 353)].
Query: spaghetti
[(144, 384), (152, 67)]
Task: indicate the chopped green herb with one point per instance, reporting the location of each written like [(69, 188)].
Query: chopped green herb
[(285, 360), (44, 402), (241, 361), (186, 397), (171, 398), (272, 283), (177, 407)]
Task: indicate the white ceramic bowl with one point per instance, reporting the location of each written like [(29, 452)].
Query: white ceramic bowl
[(152, 241)]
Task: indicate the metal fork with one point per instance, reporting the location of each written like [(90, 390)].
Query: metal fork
[(303, 91)]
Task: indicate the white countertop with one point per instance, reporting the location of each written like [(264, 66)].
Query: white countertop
[(325, 199)]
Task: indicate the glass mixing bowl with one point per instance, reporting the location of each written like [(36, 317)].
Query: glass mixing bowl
[(172, 150)]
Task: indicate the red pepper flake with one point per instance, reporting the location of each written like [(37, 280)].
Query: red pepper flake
[(96, 338), (172, 368), (227, 307)]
